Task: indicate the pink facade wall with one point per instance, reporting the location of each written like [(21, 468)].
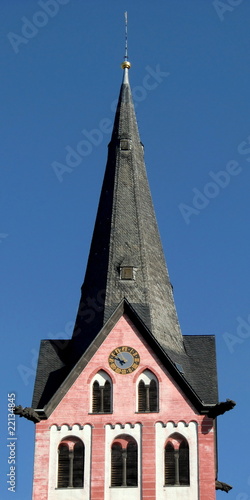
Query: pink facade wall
[(41, 466), (173, 406), (148, 461)]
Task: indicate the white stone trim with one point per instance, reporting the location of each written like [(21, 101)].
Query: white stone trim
[(190, 432), (57, 434), (111, 432), (147, 376)]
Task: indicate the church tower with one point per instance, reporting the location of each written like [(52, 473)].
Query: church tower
[(127, 406)]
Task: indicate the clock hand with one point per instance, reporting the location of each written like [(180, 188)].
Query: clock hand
[(124, 359)]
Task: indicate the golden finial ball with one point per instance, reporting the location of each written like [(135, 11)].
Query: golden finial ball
[(125, 64)]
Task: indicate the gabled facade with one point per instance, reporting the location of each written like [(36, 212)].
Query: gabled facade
[(124, 404)]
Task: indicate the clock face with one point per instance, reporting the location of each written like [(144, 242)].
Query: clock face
[(124, 360)]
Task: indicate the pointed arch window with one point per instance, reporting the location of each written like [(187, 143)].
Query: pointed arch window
[(102, 393), (177, 462), (148, 392), (70, 463), (124, 462)]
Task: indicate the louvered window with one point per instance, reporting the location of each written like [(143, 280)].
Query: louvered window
[(116, 465), (142, 396), (107, 397), (96, 397), (132, 464), (184, 463), (153, 396), (78, 464), (70, 464), (177, 464), (147, 396), (169, 464), (124, 464), (101, 397), (63, 466)]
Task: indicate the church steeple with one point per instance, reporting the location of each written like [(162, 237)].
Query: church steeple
[(126, 258), (127, 390)]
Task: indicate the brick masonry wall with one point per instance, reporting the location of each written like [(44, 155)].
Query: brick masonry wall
[(148, 461), (41, 466)]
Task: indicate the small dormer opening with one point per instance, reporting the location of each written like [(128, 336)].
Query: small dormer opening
[(125, 144), (180, 368), (127, 273)]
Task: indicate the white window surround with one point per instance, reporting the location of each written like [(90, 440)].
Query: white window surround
[(57, 434), (101, 377), (112, 432), (147, 376), (190, 432)]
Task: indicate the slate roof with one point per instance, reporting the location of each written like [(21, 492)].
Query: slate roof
[(126, 233)]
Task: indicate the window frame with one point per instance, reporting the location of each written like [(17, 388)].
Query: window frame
[(101, 378), (124, 457), (146, 378), (74, 470), (176, 442)]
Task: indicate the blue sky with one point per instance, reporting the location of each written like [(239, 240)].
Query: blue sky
[(61, 75)]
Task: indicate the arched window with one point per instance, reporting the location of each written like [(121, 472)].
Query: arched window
[(148, 392), (70, 463), (102, 393), (124, 462), (177, 461)]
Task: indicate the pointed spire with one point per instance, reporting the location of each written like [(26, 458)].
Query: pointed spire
[(126, 259)]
